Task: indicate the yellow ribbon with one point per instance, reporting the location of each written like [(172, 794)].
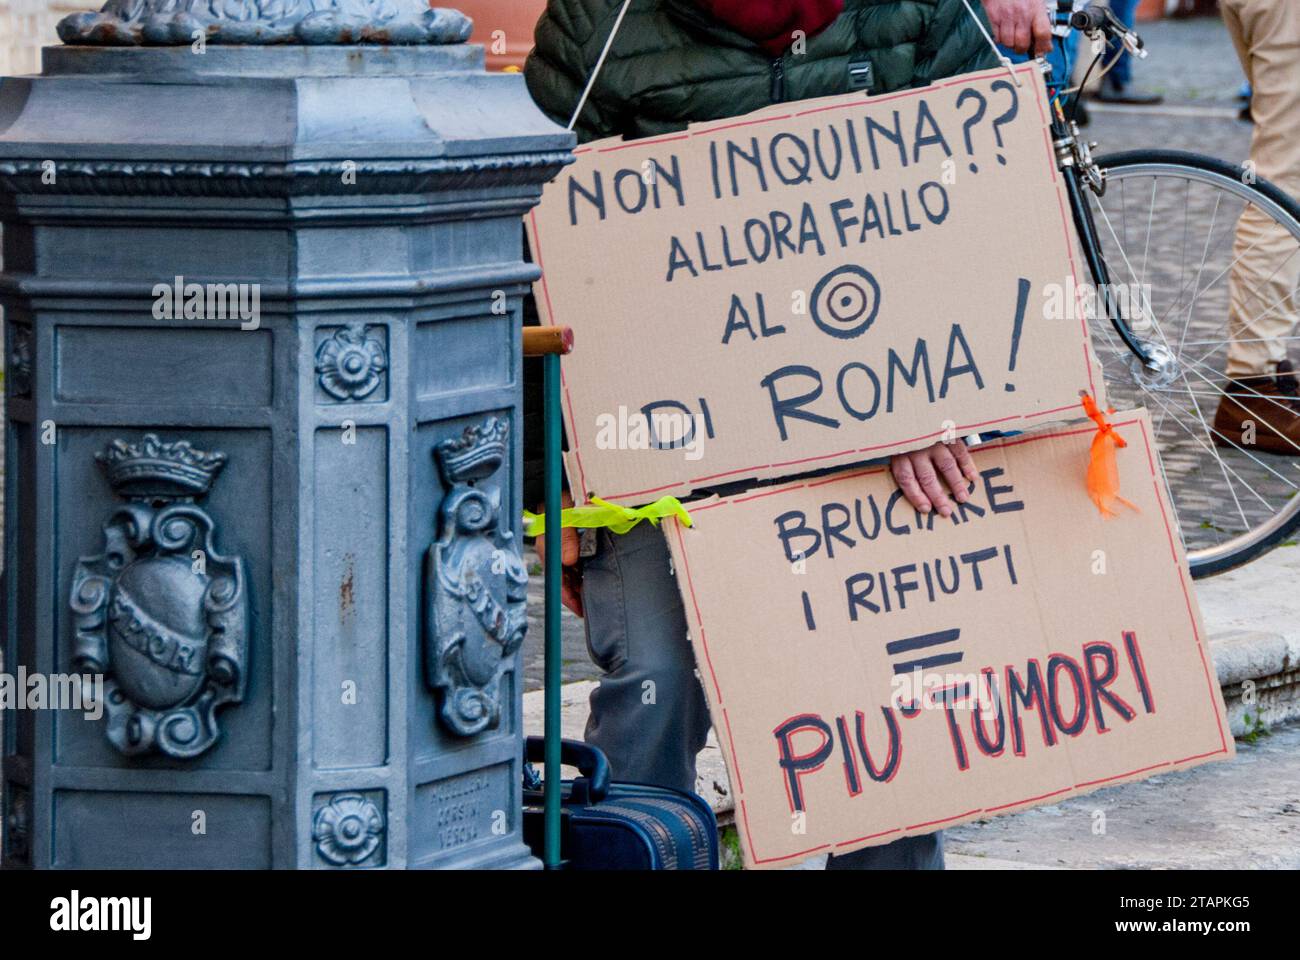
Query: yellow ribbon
[(599, 513)]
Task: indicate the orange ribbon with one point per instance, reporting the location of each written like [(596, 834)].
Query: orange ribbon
[(1103, 474)]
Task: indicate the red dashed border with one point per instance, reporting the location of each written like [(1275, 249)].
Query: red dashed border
[(687, 485), (719, 702)]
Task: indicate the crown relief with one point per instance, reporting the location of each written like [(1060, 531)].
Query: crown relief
[(155, 468), (475, 454)]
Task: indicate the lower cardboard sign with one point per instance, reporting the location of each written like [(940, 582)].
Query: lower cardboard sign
[(874, 673)]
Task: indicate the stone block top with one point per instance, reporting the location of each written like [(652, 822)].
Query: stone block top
[(130, 23)]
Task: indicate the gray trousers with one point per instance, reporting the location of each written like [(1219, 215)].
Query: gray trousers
[(648, 714)]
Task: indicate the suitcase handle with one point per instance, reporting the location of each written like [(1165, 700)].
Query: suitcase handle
[(589, 760)]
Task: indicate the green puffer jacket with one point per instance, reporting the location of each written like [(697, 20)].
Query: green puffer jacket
[(672, 64)]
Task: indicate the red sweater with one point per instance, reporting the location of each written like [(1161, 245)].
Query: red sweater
[(772, 23)]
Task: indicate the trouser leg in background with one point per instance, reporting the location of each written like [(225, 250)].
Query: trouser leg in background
[(1262, 285), (911, 853), (1122, 72), (648, 714)]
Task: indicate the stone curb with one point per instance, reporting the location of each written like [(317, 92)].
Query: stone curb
[(1260, 676)]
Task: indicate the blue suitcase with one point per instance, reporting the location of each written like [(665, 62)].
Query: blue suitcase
[(607, 825)]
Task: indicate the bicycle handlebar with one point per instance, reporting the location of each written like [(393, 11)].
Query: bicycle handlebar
[(1100, 19), (1091, 18)]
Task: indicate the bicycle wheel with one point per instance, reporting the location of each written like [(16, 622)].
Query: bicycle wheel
[(1167, 227)]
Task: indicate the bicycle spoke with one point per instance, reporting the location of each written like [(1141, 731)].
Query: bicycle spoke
[(1191, 433), (1218, 393), (1196, 407), (1166, 410), (1151, 215), (1206, 343), (1133, 275), (1224, 272), (1197, 278), (1243, 390), (1240, 449), (1187, 325), (1249, 324), (1182, 253)]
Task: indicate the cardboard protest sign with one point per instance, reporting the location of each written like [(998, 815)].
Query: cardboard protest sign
[(873, 673), (818, 283)]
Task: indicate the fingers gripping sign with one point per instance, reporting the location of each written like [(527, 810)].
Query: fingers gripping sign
[(929, 477)]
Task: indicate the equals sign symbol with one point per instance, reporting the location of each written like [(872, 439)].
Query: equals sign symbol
[(925, 642)]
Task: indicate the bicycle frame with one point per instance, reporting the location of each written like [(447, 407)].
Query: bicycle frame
[(1066, 141), (1079, 170)]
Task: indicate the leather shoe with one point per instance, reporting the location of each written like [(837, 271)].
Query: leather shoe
[(1261, 413), (1112, 93)]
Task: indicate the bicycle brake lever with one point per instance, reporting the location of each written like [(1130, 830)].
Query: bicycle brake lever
[(1131, 41)]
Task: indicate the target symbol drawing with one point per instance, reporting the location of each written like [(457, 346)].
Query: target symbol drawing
[(845, 302)]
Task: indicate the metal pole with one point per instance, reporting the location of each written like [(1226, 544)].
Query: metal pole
[(553, 573)]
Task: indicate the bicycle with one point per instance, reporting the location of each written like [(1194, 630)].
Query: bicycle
[(1156, 348)]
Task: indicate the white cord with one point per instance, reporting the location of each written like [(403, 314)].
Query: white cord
[(595, 72), (1106, 68), (1002, 59)]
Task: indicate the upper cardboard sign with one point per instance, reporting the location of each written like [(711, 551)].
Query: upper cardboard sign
[(818, 283), (874, 674)]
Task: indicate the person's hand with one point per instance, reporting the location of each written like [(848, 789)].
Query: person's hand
[(1020, 24), (928, 476), (571, 581)]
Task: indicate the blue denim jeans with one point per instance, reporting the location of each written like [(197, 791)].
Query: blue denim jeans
[(1061, 59), (1122, 72), (648, 713)]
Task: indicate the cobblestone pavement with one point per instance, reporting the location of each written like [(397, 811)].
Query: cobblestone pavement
[(1243, 814), (1190, 61)]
